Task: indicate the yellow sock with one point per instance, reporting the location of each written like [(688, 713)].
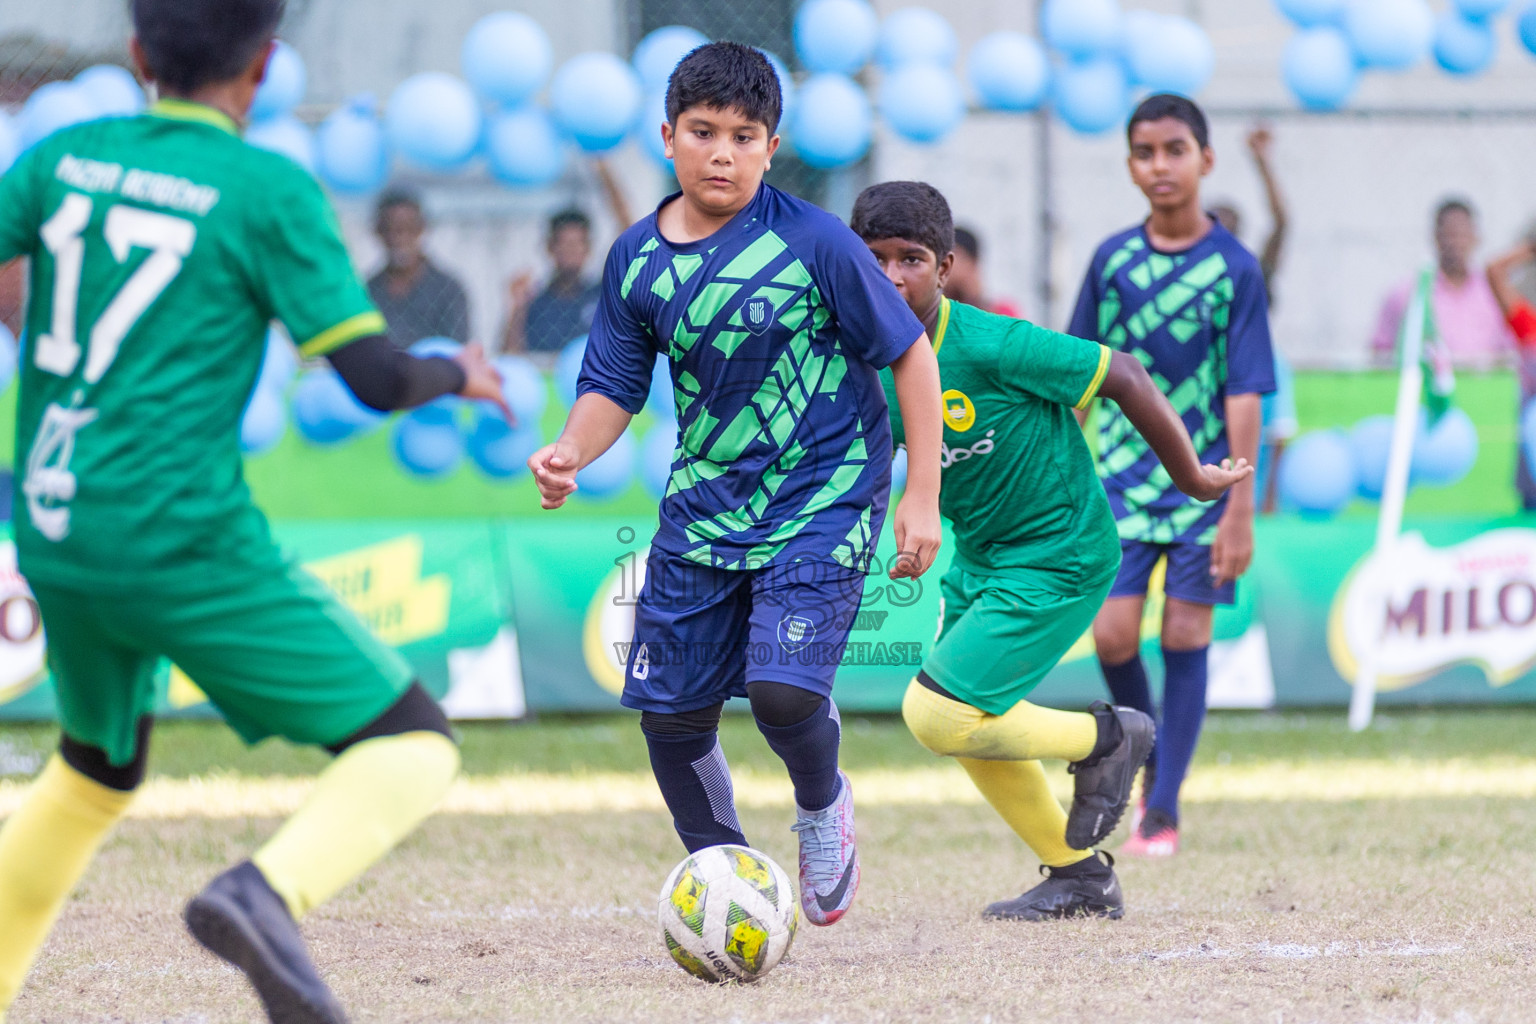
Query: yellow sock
[(44, 849), (369, 799), (1027, 732), (1019, 792)]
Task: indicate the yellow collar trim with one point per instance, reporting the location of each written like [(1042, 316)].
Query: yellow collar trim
[(938, 332), (186, 110)]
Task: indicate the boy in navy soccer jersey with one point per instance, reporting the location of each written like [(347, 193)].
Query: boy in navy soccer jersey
[(1188, 300), (776, 319)]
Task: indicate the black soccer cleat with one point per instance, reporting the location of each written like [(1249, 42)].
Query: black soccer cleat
[(1104, 782), (240, 918), (1088, 889)]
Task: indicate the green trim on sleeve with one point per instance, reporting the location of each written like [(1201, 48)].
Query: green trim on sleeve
[(1098, 378), (344, 333)]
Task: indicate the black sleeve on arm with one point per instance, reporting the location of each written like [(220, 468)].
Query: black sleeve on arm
[(385, 378)]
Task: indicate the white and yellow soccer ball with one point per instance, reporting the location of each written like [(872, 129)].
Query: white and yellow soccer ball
[(728, 913)]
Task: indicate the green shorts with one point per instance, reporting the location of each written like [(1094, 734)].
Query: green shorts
[(999, 636), (277, 654)]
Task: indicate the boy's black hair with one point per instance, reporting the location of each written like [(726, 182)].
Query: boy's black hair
[(192, 43), (1180, 108), (1454, 204), (913, 210), (725, 76), (967, 242), (570, 217)]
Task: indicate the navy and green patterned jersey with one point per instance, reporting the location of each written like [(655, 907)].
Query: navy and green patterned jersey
[(1199, 322), (775, 326)]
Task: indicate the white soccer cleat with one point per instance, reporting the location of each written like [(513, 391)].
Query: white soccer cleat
[(829, 858)]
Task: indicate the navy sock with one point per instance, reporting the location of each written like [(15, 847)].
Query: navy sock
[(1179, 731), (809, 750), (1128, 685), (696, 784)]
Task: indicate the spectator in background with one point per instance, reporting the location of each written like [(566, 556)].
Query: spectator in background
[(1280, 420), (1467, 315), (966, 283), (564, 308), (418, 300), (1521, 317)]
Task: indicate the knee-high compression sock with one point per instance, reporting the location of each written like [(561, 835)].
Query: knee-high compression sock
[(1018, 790), (1179, 731), (371, 797), (808, 745), (45, 846), (695, 781), (1026, 732)]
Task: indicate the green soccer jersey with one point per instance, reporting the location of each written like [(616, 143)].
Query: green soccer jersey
[(1019, 484), (161, 247)]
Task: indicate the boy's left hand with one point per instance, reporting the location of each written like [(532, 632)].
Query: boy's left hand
[(1233, 548), (919, 533), (1216, 480)]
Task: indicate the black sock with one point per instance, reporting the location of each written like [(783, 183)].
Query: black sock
[(1092, 867), (696, 784), (809, 750), (1110, 731)]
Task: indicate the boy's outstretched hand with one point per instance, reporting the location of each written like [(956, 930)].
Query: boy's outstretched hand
[(554, 470), (919, 533), (482, 380), (1214, 481)]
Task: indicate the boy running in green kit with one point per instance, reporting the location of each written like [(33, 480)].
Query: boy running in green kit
[(161, 247), (1035, 553)]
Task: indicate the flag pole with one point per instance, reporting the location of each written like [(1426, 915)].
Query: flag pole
[(1394, 492)]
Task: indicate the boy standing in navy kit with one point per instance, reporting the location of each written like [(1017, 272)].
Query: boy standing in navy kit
[(776, 319), (1188, 300)]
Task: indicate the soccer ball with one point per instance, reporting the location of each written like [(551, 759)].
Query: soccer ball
[(728, 913)]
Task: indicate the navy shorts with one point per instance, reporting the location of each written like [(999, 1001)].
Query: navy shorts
[(702, 634), (1188, 577)]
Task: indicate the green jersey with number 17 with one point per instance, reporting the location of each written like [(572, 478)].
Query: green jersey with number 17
[(1018, 481), (161, 248)]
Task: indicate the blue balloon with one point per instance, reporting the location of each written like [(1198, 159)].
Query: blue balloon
[(1009, 71), (656, 454), (568, 368), (922, 102), (113, 90), (51, 107), (611, 472), (1312, 13), (899, 470), (351, 153), (524, 387), (660, 52), (279, 362), (433, 119), (1318, 473), (1093, 96), (10, 142), (595, 98), (1463, 47), (10, 356), (1168, 53), (832, 126), (525, 147), (661, 401), (286, 135), (916, 35), (1527, 28), (264, 422), (1319, 68), (283, 87), (649, 129), (325, 410), (1080, 29), (1389, 34), (835, 36), (1528, 435), (1480, 10), (506, 57), (1371, 440), (1445, 453), (499, 450), (425, 445)]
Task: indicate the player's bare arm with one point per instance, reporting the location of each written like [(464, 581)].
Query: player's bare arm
[(1233, 548), (1128, 385), (917, 526), (594, 425)]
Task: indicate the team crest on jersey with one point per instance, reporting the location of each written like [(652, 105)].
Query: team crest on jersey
[(959, 411), (757, 313), (795, 631)]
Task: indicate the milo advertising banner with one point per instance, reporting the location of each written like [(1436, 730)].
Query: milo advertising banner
[(510, 617)]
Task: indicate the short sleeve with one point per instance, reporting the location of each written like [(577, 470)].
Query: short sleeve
[(1250, 353), (621, 348), (1060, 368), (300, 268), (1085, 315), (873, 320), (20, 217)]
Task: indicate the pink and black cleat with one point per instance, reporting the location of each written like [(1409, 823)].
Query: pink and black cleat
[(829, 858)]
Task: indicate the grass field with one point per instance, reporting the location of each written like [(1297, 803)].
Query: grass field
[(1325, 877)]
